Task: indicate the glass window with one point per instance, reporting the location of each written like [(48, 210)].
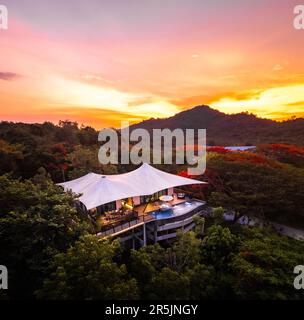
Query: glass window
[(106, 207), (153, 197)]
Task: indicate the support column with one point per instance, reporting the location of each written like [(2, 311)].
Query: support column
[(144, 235), (133, 239), (155, 232)]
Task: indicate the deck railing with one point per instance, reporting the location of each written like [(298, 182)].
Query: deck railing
[(124, 225), (121, 225)]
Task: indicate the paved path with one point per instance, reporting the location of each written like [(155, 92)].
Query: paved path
[(280, 228)]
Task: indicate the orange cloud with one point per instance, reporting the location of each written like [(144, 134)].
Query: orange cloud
[(102, 76)]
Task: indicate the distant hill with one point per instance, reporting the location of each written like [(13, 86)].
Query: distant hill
[(236, 129)]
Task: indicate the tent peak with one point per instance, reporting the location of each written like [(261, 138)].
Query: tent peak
[(145, 164), (98, 189)]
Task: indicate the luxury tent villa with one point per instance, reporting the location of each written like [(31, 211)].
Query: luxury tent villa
[(139, 206)]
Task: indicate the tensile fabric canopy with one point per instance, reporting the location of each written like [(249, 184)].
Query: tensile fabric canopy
[(97, 189)]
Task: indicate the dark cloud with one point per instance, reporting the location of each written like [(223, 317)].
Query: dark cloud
[(9, 76)]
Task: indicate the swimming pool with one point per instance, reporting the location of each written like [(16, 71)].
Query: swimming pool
[(177, 210)]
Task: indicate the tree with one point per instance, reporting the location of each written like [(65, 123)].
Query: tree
[(218, 245), (11, 157), (203, 282), (218, 215), (59, 163), (185, 251), (87, 271), (36, 222), (68, 132), (264, 189), (263, 267), (141, 267), (87, 136), (169, 285), (199, 225), (84, 160), (144, 264), (284, 153)]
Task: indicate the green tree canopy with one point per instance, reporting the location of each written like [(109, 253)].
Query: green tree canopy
[(36, 222), (88, 271)]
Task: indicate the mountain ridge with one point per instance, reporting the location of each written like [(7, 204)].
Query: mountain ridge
[(226, 129)]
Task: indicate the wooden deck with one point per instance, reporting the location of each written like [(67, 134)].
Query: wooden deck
[(141, 215), (115, 218), (121, 226), (141, 210), (153, 206)]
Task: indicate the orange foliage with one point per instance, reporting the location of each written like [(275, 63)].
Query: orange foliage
[(250, 158), (291, 149), (194, 187), (183, 174), (217, 149), (59, 148)]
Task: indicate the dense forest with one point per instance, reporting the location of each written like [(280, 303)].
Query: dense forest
[(52, 253)]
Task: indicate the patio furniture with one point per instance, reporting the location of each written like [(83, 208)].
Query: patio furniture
[(166, 198), (156, 204), (165, 207), (181, 195)]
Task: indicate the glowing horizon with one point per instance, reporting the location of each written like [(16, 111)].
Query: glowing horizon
[(98, 63)]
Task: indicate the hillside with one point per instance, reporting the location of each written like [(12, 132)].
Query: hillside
[(236, 129)]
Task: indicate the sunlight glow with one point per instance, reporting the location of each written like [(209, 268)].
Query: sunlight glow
[(266, 104)]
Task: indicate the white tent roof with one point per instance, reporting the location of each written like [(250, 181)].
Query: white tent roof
[(98, 189)]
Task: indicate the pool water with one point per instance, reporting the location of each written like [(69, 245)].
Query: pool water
[(176, 210), (162, 214)]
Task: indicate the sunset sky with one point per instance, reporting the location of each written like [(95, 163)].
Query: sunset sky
[(99, 62)]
